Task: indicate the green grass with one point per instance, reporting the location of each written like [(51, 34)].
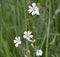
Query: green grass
[(14, 20)]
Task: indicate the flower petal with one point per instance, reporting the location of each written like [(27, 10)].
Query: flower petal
[(16, 45), (24, 36), (29, 39), (16, 37), (31, 36), (29, 7), (33, 13), (40, 52), (29, 32), (30, 10), (25, 32), (36, 12), (15, 41), (33, 4), (19, 43)]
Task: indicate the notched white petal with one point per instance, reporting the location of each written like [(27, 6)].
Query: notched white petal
[(29, 7), (29, 32), (24, 36), (25, 32), (33, 4), (16, 45), (29, 11), (15, 37), (33, 13), (15, 41), (37, 12)]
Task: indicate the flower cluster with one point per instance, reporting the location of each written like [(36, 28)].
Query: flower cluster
[(27, 35)]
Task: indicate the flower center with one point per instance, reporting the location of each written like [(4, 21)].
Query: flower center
[(35, 8)]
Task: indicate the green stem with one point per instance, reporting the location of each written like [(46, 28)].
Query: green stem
[(48, 29), (18, 16)]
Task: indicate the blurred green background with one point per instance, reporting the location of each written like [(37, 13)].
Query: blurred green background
[(14, 20)]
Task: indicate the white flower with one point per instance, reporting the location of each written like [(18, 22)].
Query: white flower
[(33, 9), (17, 41), (39, 52), (27, 35)]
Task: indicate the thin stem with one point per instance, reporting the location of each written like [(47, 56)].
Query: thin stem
[(18, 16), (48, 29)]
